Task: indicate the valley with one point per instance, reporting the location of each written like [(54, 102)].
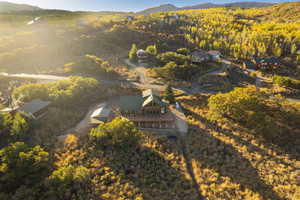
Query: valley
[(168, 103)]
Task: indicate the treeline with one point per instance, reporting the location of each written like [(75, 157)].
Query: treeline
[(235, 34)]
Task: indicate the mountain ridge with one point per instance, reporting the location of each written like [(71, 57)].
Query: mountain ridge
[(171, 7)]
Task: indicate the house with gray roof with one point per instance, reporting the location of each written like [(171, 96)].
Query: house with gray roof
[(35, 109)]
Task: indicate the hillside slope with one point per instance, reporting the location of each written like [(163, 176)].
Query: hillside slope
[(170, 7), (161, 8), (282, 12), (6, 7)]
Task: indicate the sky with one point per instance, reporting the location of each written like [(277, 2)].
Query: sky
[(118, 5)]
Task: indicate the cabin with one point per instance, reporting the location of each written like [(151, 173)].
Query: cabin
[(100, 116), (143, 56), (199, 57), (215, 55), (267, 64), (147, 110), (35, 109)]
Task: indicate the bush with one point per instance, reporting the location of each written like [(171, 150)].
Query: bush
[(285, 81), (173, 57), (173, 71), (118, 132), (13, 127), (63, 93), (21, 165), (183, 51), (152, 50), (243, 105), (132, 53)]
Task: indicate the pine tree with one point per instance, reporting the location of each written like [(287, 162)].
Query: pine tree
[(132, 53), (169, 94)]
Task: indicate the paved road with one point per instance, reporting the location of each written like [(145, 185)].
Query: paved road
[(36, 76), (181, 122), (84, 125)]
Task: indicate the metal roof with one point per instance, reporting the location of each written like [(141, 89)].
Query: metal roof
[(150, 92), (153, 99), (131, 103), (101, 112), (33, 106)]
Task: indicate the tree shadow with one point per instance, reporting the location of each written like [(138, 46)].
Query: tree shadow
[(228, 161), (150, 172)]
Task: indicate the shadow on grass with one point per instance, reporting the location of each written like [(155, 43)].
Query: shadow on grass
[(229, 162), (148, 170)]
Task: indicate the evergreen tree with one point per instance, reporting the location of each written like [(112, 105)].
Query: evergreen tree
[(169, 94), (132, 53)]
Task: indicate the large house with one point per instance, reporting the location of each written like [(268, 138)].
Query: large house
[(147, 110), (262, 63)]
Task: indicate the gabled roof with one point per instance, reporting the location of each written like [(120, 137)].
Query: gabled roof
[(101, 112), (150, 92), (34, 106), (155, 100)]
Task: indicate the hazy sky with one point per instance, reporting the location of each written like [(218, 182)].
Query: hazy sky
[(113, 5)]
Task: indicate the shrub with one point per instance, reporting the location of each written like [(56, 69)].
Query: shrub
[(63, 93), (173, 57), (285, 81), (243, 105), (118, 132), (132, 53), (183, 51), (21, 165), (152, 50)]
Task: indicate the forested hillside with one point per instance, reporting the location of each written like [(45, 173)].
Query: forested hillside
[(237, 33), (241, 125)]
